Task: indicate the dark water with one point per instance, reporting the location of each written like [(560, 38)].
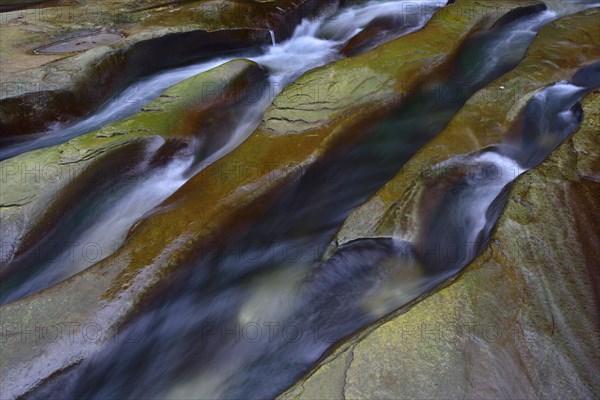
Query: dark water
[(249, 318), (103, 213)]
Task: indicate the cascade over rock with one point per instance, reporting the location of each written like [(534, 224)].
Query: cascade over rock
[(46, 79), (520, 321), (300, 129), (41, 187), (483, 121)]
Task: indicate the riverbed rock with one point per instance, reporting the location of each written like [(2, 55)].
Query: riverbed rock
[(555, 54), (520, 322), (386, 28), (40, 188), (372, 34), (84, 68), (309, 119)]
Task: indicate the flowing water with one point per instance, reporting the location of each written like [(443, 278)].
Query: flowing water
[(310, 46), (315, 42), (248, 320), (127, 103)]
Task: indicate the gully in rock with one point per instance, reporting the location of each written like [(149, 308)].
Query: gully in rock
[(296, 311), (252, 315), (329, 299), (312, 44)]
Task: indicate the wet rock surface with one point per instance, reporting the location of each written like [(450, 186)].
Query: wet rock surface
[(80, 42), (41, 187), (520, 322), (483, 121), (41, 87), (296, 132)]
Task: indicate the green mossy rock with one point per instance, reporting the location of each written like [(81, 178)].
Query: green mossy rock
[(216, 201), (39, 88), (40, 186), (520, 322), (555, 54)]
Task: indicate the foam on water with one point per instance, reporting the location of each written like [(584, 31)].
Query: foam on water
[(307, 48), (357, 285), (127, 103)]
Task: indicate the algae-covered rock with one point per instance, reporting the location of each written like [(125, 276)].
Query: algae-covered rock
[(555, 54), (41, 87), (520, 322), (40, 187), (298, 131), (301, 128)]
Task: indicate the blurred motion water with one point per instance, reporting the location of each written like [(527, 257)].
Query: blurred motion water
[(114, 212), (250, 317)]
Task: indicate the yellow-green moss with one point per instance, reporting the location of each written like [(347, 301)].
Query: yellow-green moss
[(555, 54)]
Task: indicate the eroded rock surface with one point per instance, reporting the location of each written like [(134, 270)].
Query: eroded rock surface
[(298, 131), (520, 322), (41, 187), (556, 54), (41, 87)]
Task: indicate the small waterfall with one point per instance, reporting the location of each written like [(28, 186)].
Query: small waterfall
[(549, 115), (467, 216), (197, 326), (307, 48), (110, 217), (272, 37)]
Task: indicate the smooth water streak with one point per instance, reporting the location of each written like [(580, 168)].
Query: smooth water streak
[(127, 103), (309, 47), (360, 283), (323, 302), (327, 300), (306, 49)]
